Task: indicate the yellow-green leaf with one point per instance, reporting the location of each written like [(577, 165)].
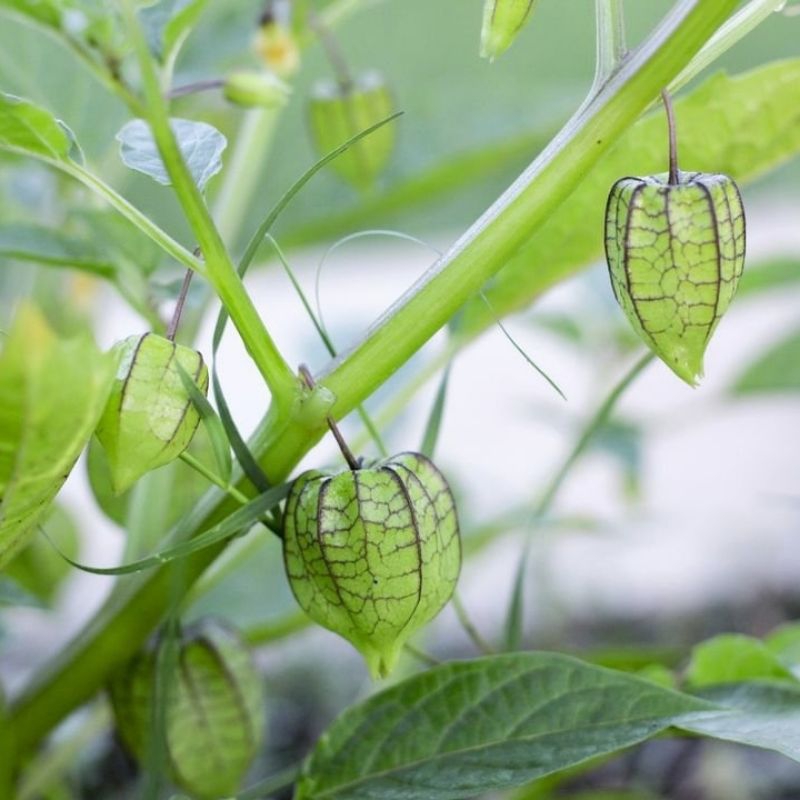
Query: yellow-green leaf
[(52, 393)]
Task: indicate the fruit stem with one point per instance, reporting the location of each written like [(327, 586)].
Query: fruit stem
[(333, 53), (351, 460), (172, 330), (674, 173)]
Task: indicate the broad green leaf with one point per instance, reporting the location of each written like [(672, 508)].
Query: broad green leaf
[(167, 23), (759, 135), (42, 245), (27, 129), (38, 568), (200, 144), (760, 714), (732, 658), (474, 726), (777, 370), (784, 642), (52, 393), (45, 12)]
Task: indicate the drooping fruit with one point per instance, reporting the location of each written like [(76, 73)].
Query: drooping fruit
[(675, 245), (337, 113), (373, 554), (213, 713), (149, 419)]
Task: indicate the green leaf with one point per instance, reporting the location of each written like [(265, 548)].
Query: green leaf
[(201, 146), (45, 12), (474, 726), (732, 658), (784, 642), (758, 714), (38, 568), (52, 393), (759, 135), (27, 129), (167, 23), (777, 370), (42, 245)]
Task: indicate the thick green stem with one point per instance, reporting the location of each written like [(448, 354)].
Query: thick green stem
[(120, 627), (220, 270), (733, 31), (611, 42)]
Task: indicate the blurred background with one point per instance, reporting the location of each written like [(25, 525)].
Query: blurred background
[(680, 522)]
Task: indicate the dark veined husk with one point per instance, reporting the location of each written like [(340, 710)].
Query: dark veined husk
[(373, 554), (675, 255), (213, 717)]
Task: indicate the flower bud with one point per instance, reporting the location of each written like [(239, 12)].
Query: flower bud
[(278, 49), (250, 89), (338, 113), (149, 419), (502, 21), (373, 554), (675, 254), (213, 717)]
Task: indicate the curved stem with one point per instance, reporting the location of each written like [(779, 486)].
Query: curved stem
[(674, 172), (121, 626), (172, 328)]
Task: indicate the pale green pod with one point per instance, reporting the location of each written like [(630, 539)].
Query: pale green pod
[(502, 21), (336, 114), (675, 255), (373, 554), (256, 89), (149, 419), (213, 719)]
